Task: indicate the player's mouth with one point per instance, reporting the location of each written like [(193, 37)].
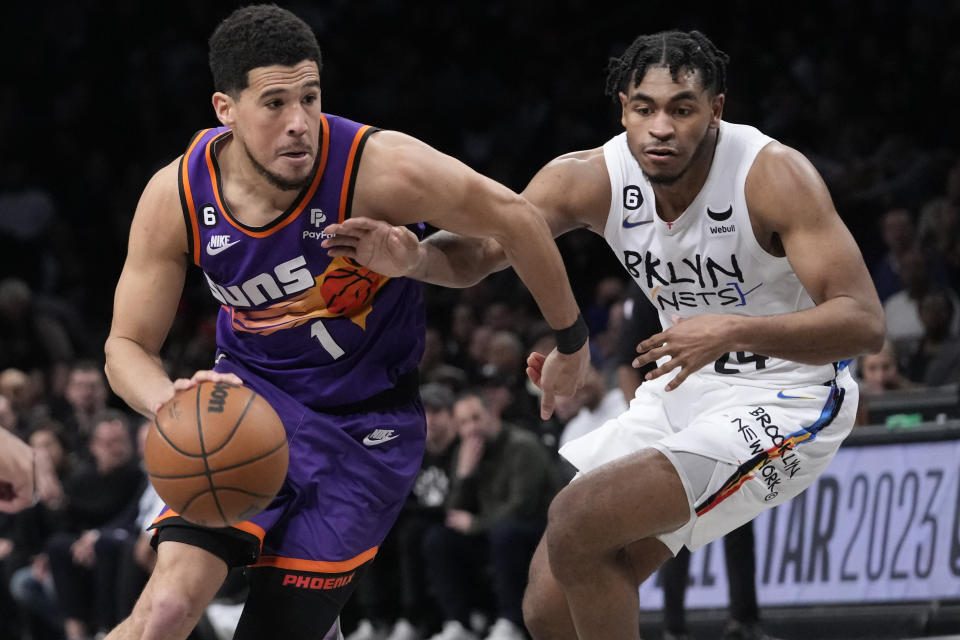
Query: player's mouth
[(660, 155), (296, 154)]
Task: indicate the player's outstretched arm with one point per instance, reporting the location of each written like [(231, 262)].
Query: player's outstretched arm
[(402, 180), (445, 258), (570, 192)]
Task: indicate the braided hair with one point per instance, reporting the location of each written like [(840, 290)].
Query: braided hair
[(676, 50)]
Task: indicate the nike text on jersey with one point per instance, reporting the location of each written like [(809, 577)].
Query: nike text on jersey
[(218, 244), (379, 436)]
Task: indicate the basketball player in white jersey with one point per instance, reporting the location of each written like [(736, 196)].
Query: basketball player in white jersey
[(763, 296)]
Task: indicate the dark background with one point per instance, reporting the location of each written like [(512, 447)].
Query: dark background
[(96, 96)]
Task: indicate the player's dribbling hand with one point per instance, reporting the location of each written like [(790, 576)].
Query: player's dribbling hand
[(691, 343), (205, 375), (558, 374), (379, 246)]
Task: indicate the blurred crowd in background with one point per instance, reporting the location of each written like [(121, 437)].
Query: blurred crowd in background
[(99, 95)]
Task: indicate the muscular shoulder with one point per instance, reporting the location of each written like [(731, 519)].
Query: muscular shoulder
[(574, 187), (395, 160), (783, 189), (398, 174), (159, 214)]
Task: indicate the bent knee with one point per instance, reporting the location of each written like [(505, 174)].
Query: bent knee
[(568, 521), (538, 616)]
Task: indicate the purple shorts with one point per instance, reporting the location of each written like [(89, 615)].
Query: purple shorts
[(348, 477)]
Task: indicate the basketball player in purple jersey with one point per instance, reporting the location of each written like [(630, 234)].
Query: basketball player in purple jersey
[(331, 345)]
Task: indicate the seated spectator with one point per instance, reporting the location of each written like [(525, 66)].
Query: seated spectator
[(100, 503), (24, 393), (902, 309), (84, 397), (880, 372), (898, 232), (591, 406), (936, 360), (32, 584), (503, 482), (31, 338)]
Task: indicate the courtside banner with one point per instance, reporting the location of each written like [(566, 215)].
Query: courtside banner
[(881, 524)]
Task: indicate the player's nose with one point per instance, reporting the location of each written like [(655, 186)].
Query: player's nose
[(297, 122), (661, 126)]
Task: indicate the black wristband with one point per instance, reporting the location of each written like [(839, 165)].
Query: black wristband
[(570, 340)]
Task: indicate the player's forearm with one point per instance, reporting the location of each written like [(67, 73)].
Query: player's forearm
[(452, 260), (530, 248), (838, 329), (136, 376)]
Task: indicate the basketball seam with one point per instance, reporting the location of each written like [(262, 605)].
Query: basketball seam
[(206, 465), (221, 469), (236, 426), (170, 442)]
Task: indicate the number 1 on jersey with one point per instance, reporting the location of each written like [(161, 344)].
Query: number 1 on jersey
[(318, 331)]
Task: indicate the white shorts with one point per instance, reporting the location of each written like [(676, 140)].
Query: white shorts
[(738, 449)]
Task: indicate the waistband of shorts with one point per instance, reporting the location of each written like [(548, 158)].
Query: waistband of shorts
[(405, 390)]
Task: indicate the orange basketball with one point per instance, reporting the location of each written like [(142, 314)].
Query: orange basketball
[(217, 453)]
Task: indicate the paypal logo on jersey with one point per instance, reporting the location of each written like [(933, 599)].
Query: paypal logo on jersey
[(317, 218)]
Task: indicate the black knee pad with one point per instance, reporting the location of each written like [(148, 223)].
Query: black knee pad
[(288, 603)]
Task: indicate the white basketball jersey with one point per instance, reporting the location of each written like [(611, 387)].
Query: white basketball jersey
[(708, 260)]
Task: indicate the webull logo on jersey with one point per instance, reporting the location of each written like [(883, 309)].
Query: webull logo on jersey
[(716, 282), (722, 229)]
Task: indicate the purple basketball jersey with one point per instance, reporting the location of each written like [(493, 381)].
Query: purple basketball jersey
[(325, 330)]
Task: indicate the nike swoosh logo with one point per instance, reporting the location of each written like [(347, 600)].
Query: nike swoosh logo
[(630, 225), (722, 215), (370, 442), (784, 396), (212, 251)]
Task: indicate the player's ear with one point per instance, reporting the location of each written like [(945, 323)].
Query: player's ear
[(623, 107), (716, 106), (223, 105)]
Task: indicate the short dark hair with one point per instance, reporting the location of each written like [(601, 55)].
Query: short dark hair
[(437, 397), (676, 50), (258, 36)]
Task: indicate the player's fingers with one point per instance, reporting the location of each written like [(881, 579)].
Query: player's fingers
[(666, 367), (534, 375), (547, 403), (649, 356), (654, 341), (181, 384), (341, 240), (536, 359), (677, 380), (350, 225), (342, 252)]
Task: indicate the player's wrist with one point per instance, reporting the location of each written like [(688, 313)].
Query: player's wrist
[(571, 339), (418, 268)]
